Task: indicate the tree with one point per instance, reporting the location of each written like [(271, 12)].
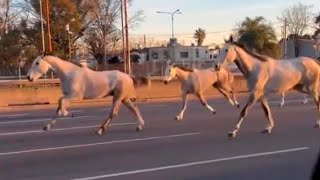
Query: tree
[(103, 35), (298, 18), (317, 32), (258, 36), (199, 35)]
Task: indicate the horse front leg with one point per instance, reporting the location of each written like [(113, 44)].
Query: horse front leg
[(184, 97), (133, 108), (204, 103), (266, 109), (61, 111), (113, 113), (254, 96)]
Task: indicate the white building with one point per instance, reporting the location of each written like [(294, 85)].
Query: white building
[(308, 48), (173, 51)]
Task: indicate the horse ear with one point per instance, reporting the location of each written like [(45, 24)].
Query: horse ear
[(44, 53), (231, 39), (169, 62), (217, 67)]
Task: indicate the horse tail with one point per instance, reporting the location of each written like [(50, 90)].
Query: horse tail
[(140, 81)]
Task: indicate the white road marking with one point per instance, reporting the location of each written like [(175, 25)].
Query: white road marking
[(76, 111), (99, 143), (287, 101), (104, 109), (60, 129), (13, 115), (194, 163), (45, 119)]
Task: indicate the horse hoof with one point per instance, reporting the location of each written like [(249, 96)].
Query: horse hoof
[(266, 131), (46, 128), (231, 135), (139, 129), (99, 131), (316, 126), (178, 118)]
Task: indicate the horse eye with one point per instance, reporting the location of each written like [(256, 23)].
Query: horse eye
[(37, 63), (226, 50)]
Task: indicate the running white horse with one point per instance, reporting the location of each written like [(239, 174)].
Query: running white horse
[(195, 81), (265, 75), (304, 101), (79, 83)]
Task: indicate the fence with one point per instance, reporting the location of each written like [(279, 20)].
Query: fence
[(146, 69), (156, 68)]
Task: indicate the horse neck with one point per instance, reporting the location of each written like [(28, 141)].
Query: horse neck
[(60, 67), (245, 61), (181, 74)]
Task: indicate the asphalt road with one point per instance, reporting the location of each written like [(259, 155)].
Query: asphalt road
[(197, 148)]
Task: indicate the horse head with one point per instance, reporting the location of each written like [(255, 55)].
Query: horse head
[(170, 72), (227, 53), (38, 68)]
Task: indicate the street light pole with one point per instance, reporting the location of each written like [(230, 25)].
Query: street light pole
[(172, 18), (42, 28)]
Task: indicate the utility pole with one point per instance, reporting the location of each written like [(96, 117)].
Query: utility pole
[(285, 38), (127, 36), (42, 28), (48, 25), (123, 37), (144, 41)]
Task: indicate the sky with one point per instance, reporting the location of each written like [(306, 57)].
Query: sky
[(217, 17)]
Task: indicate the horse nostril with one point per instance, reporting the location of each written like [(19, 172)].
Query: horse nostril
[(29, 78)]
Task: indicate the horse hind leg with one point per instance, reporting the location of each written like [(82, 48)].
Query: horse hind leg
[(225, 90), (226, 95), (128, 103), (234, 98), (113, 113), (268, 114), (317, 101), (204, 103), (305, 99)]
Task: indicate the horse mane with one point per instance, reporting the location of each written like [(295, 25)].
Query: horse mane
[(255, 55), (183, 68)]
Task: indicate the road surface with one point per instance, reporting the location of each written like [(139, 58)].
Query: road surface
[(197, 148)]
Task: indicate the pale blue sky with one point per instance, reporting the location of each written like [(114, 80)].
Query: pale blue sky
[(211, 15)]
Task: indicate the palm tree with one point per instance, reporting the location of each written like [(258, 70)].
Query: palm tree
[(200, 35), (256, 35)]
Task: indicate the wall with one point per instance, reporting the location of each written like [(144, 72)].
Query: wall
[(50, 95)]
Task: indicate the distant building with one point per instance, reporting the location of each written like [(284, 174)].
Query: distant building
[(173, 51), (305, 47)]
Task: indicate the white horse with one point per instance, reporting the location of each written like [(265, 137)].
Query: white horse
[(265, 75), (195, 81), (79, 83), (304, 101)]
